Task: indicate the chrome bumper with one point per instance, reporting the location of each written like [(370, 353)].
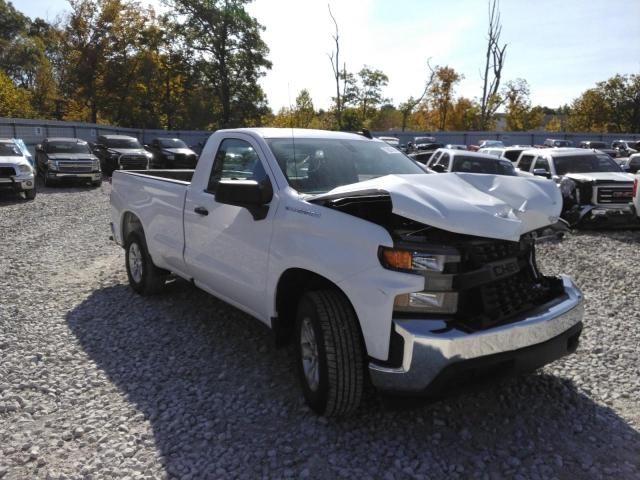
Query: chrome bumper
[(93, 175), (429, 349)]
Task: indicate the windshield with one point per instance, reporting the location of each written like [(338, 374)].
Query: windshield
[(598, 145), (67, 147), (9, 150), (585, 164), (317, 165), (172, 143), (483, 165), (122, 143)]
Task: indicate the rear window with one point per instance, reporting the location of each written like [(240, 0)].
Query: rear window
[(483, 165)]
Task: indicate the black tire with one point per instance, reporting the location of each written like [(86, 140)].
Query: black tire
[(340, 353), (48, 182), (97, 183), (149, 279), (30, 194)]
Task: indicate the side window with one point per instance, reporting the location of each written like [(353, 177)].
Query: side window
[(542, 163), (444, 161), (235, 160), (525, 162)]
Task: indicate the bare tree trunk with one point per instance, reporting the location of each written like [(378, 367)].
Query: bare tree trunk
[(410, 104), (494, 63), (335, 65)]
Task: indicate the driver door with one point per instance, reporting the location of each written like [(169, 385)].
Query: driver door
[(226, 249)]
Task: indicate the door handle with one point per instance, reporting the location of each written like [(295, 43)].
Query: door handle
[(201, 211)]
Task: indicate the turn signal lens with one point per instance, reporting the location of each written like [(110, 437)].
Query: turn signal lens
[(401, 259), (415, 261)]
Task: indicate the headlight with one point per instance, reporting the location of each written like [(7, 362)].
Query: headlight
[(96, 165), (407, 260), (427, 302), (149, 155), (437, 296), (52, 164), (25, 168)]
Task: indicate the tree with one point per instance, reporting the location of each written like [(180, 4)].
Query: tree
[(304, 111), (226, 41), (441, 92), (14, 101), (494, 62), (369, 92), (464, 115), (590, 112), (520, 115)]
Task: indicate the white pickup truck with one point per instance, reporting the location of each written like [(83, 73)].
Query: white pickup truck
[(378, 272)]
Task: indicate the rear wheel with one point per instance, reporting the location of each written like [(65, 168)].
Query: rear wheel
[(330, 353), (144, 277), (97, 183)]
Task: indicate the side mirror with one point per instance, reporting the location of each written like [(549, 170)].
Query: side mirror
[(541, 172), (439, 168), (248, 194)]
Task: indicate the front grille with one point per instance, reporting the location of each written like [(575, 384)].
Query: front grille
[(74, 166), (613, 195), (7, 172), (133, 162)]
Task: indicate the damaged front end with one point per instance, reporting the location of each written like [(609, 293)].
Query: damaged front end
[(592, 203), (483, 282)]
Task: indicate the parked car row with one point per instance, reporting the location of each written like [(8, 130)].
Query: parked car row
[(64, 158)]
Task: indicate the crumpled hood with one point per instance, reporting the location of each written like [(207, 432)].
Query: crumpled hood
[(71, 156), (601, 177), (492, 206)]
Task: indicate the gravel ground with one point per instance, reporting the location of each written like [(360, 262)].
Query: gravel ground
[(97, 382)]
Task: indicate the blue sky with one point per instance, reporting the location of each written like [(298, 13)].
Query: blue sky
[(560, 47)]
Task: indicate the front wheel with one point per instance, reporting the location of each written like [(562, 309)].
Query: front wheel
[(30, 194), (330, 353), (144, 277)]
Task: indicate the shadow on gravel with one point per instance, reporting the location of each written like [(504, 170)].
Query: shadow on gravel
[(8, 197), (222, 401)]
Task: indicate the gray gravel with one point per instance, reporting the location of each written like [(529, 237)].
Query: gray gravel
[(96, 382)]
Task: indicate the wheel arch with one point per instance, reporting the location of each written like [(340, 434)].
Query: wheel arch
[(130, 223), (292, 285)]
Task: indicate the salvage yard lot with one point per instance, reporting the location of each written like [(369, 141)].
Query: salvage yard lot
[(97, 382)]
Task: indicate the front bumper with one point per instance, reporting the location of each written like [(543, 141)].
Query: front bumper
[(19, 183), (432, 352), (622, 216), (88, 175)]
